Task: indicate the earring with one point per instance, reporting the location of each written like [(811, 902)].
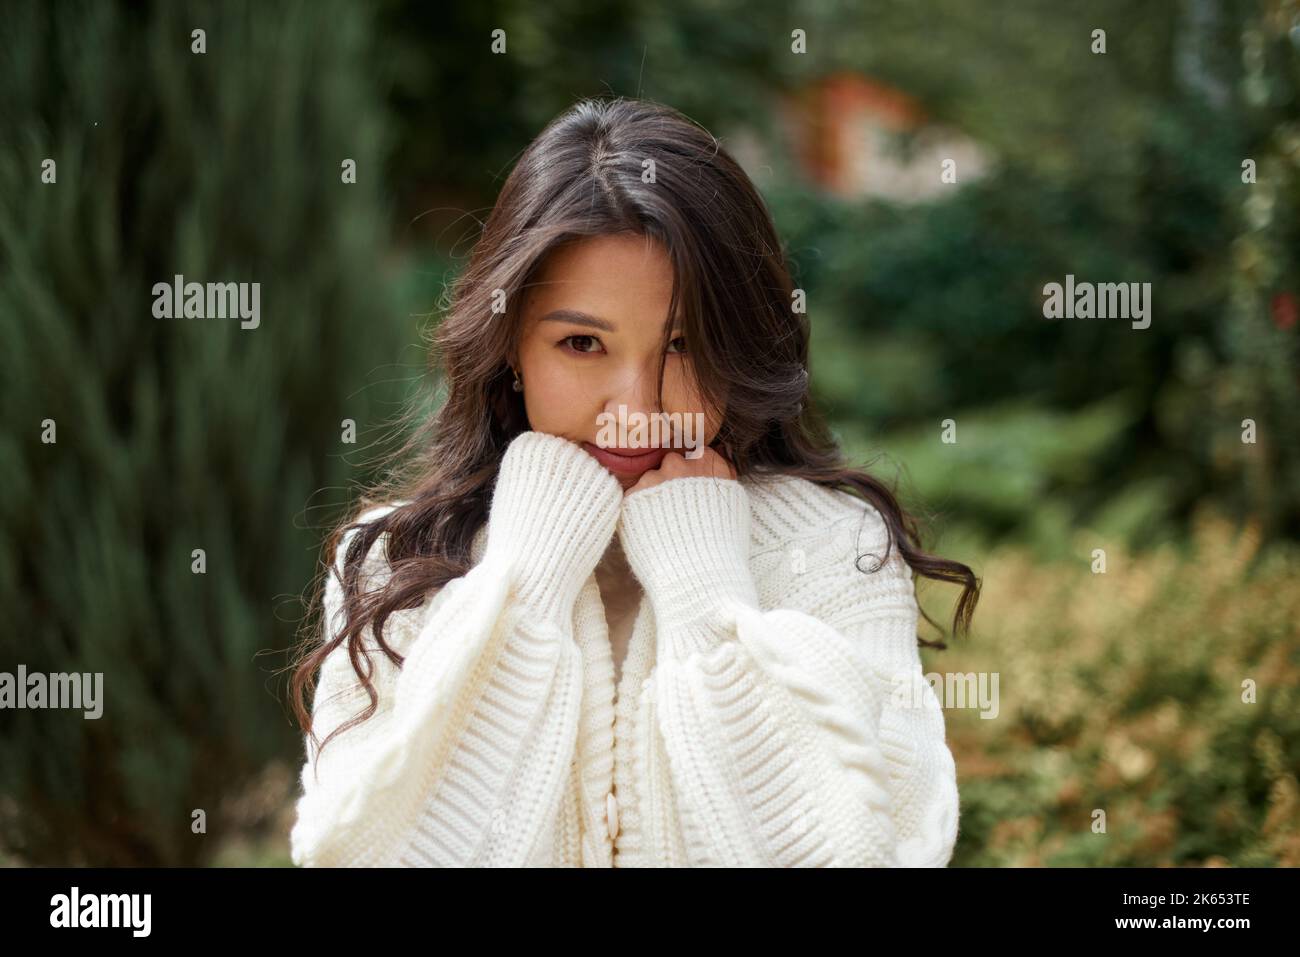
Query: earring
[(518, 385)]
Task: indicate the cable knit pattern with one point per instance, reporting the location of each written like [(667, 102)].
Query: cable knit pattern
[(758, 720)]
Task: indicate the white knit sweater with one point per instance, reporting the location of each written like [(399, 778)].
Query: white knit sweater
[(765, 716)]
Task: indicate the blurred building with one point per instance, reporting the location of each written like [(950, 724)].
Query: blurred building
[(856, 137)]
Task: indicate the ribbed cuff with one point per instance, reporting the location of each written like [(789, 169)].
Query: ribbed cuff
[(687, 541), (554, 510)]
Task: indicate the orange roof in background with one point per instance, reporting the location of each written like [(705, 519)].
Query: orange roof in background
[(821, 116), (847, 93)]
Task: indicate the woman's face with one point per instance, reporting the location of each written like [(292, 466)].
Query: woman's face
[(593, 324)]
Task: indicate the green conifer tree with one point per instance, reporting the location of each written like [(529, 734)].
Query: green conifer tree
[(128, 442)]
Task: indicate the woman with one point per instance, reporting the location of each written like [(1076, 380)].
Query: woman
[(544, 650)]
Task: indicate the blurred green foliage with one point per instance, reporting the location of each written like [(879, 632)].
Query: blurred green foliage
[(175, 435)]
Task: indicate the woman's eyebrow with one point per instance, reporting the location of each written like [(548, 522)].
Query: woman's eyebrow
[(578, 318)]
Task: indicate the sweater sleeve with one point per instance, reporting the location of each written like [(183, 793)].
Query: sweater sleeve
[(790, 742), (466, 759)]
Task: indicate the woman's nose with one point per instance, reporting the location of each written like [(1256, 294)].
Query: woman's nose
[(632, 398)]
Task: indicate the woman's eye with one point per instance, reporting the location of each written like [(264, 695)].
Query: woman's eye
[(590, 344), (580, 343)]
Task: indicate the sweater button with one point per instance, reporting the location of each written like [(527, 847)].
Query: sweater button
[(611, 815)]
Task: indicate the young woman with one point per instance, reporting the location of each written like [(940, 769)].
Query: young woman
[(548, 646)]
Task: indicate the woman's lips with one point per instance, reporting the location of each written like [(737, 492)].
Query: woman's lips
[(627, 461)]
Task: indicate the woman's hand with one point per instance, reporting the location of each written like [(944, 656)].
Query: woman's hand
[(676, 465)]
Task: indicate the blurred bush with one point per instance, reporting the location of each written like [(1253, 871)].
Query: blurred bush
[(1126, 692)]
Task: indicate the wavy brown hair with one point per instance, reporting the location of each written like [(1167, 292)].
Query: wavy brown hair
[(583, 177)]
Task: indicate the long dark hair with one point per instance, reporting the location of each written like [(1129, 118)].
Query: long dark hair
[(583, 176)]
